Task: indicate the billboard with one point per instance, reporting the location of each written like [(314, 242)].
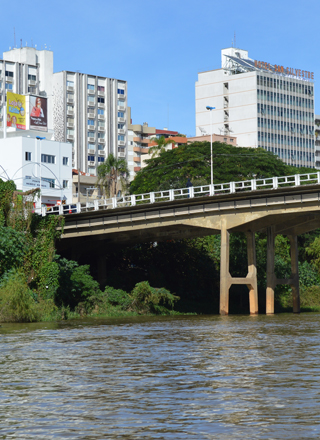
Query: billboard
[(16, 111), (38, 113)]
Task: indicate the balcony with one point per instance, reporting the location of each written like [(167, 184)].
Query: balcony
[(91, 138), (91, 115), (121, 120), (100, 93), (122, 143), (120, 154), (101, 129), (121, 108), (70, 124), (9, 79), (121, 96), (137, 159), (91, 151), (141, 150), (121, 131), (70, 137), (70, 89), (101, 152), (91, 103), (101, 140), (70, 112), (101, 117), (91, 127), (100, 104), (91, 92), (32, 82), (136, 169), (70, 100), (91, 162)]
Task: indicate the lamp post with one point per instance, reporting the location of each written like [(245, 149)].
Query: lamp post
[(210, 109)]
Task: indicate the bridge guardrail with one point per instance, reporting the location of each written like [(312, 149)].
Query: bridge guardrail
[(192, 192)]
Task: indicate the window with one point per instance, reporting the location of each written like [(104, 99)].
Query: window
[(70, 132), (52, 182), (100, 147), (92, 170), (90, 122), (91, 146), (120, 92), (120, 103), (90, 86), (32, 77), (91, 158), (91, 98), (100, 111), (101, 100), (100, 88), (100, 159), (120, 137), (121, 126), (65, 161), (8, 86), (90, 134), (28, 155), (65, 183), (101, 124), (9, 74), (70, 84), (47, 158), (32, 90), (101, 135), (120, 115)]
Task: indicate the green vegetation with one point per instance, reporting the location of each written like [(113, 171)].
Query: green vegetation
[(113, 175), (37, 284)]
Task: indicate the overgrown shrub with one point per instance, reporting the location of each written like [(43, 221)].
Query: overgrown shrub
[(149, 299), (117, 297)]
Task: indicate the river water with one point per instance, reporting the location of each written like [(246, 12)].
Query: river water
[(191, 377)]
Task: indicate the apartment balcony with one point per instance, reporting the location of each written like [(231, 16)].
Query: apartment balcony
[(121, 108), (101, 129), (91, 162), (122, 143), (100, 104), (91, 127), (70, 89), (121, 154), (121, 131), (91, 115), (91, 138), (70, 112), (101, 117), (32, 82), (137, 159), (141, 140), (136, 169), (101, 140), (91, 151), (70, 100), (226, 118), (91, 103), (141, 150), (91, 92), (100, 93), (121, 120), (70, 125), (101, 153), (70, 137), (120, 96), (9, 79)]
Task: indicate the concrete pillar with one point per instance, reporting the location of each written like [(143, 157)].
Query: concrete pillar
[(295, 273), (224, 270), (271, 278), (252, 273)]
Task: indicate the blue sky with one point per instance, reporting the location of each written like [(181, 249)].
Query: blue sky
[(160, 46)]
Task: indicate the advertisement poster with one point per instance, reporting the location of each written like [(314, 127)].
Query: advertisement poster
[(16, 111), (38, 113)]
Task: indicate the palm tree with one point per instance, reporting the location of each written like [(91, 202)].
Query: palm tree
[(113, 175), (160, 146)]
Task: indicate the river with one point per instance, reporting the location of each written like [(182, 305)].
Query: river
[(190, 377)]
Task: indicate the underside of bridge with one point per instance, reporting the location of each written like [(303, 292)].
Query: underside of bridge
[(286, 212)]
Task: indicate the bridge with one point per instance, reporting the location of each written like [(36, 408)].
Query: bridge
[(287, 205)]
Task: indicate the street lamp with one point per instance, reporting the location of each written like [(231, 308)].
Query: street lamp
[(210, 109)]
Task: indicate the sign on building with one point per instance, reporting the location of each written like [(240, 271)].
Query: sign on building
[(38, 113), (16, 111)]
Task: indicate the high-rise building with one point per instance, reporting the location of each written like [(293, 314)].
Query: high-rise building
[(262, 104), (88, 111)]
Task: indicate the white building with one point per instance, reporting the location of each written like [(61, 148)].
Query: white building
[(27, 161), (263, 105), (86, 110)]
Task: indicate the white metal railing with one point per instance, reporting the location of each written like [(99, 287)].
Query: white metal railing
[(269, 183)]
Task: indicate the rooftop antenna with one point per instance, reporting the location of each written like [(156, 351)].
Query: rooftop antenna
[(14, 36), (20, 43), (31, 42), (203, 131), (235, 45)]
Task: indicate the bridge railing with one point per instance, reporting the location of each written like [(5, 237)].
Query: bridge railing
[(183, 193)]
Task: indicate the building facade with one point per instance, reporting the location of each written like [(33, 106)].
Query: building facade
[(88, 111), (263, 105)]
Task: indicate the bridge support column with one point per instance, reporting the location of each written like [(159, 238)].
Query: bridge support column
[(252, 273), (271, 278), (225, 277), (294, 273)]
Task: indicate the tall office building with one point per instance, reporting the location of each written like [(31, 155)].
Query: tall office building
[(88, 111), (262, 104)]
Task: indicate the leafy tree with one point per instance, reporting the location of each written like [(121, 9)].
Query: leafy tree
[(113, 175), (171, 168), (13, 248), (160, 146)]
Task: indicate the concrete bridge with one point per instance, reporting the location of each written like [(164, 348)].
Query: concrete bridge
[(288, 205)]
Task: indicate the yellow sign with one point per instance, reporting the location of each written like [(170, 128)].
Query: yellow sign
[(286, 70), (16, 111)]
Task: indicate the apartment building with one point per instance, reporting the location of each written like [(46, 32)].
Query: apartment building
[(88, 111), (262, 104)]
